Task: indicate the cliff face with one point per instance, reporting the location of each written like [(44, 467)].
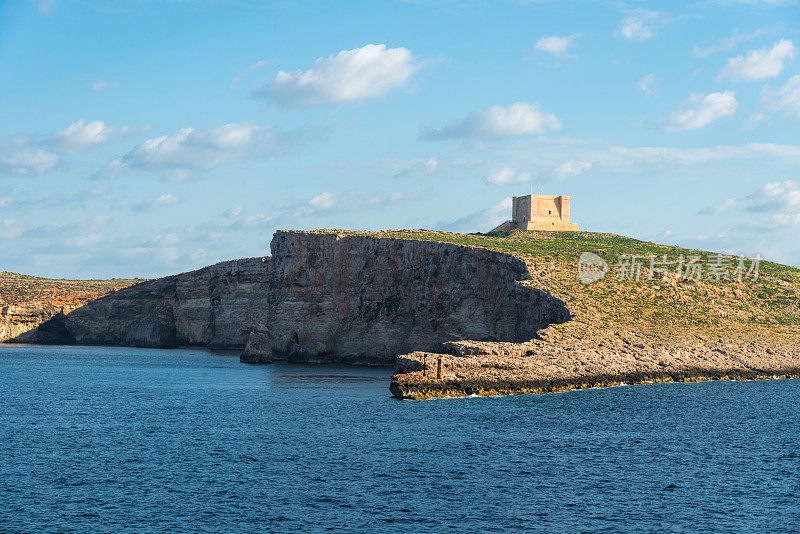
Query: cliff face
[(362, 299), (16, 319), (322, 297), (215, 306)]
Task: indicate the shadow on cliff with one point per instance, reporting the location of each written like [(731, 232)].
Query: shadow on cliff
[(216, 307), (322, 297), (364, 299)]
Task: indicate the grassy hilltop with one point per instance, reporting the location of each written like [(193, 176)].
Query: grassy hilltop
[(19, 289), (656, 308)]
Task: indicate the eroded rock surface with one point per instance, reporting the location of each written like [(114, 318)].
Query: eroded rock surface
[(216, 306), (362, 299)]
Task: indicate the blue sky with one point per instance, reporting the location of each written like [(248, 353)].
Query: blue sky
[(144, 138)]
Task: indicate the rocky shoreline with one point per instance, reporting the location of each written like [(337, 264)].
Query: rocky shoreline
[(415, 375), (503, 314)]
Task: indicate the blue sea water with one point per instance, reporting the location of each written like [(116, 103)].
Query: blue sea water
[(96, 439)]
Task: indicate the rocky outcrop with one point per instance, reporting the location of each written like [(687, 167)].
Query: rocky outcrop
[(216, 306), (362, 299), (17, 319), (473, 368), (322, 297)]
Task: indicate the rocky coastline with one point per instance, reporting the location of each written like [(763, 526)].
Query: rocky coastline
[(456, 315)]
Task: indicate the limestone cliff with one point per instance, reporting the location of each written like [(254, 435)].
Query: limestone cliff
[(215, 306), (362, 299), (322, 297), (17, 319)]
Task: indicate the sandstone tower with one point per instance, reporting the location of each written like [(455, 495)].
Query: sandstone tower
[(539, 212)]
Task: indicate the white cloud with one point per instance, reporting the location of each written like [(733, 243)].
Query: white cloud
[(323, 201), (369, 71), (779, 221), (481, 221), (727, 43), (516, 120), (99, 85), (154, 203), (23, 157), (708, 108), (777, 196), (569, 169), (348, 201), (507, 175), (556, 45), (758, 64), (722, 207), (785, 100), (646, 84), (235, 211), (640, 26), (248, 71), (26, 155), (83, 134), (201, 149), (428, 166)]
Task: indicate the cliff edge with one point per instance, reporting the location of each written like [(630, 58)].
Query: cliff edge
[(367, 298)]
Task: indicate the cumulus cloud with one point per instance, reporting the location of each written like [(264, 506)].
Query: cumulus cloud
[(26, 155), (199, 149), (22, 157), (556, 45), (350, 75), (639, 26), (428, 166), (646, 84), (707, 109), (481, 221), (155, 203), (519, 119), (783, 101), (722, 207), (727, 43), (84, 134), (776, 196), (508, 175), (568, 169), (323, 201), (758, 64)]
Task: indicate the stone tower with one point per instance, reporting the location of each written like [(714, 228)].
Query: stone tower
[(541, 212)]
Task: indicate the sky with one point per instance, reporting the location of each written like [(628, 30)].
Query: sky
[(140, 138)]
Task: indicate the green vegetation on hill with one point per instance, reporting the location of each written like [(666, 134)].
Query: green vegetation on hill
[(19, 288), (659, 306)]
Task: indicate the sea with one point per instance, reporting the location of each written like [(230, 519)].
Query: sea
[(117, 439)]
